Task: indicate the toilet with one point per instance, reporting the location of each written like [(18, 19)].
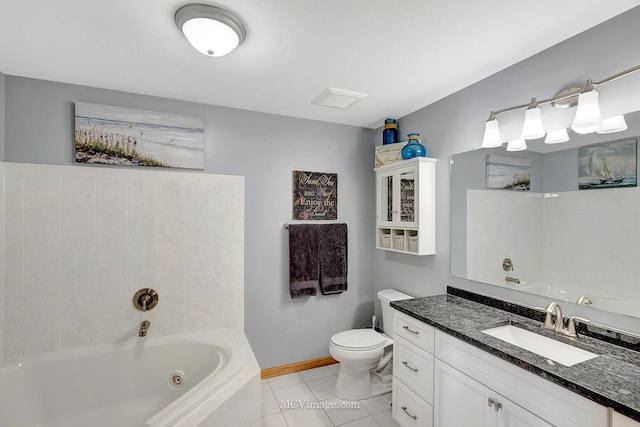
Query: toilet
[(361, 351)]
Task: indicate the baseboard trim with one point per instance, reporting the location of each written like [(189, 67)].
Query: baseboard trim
[(297, 366)]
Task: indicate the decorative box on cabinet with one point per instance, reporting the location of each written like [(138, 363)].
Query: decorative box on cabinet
[(406, 206), (413, 361)]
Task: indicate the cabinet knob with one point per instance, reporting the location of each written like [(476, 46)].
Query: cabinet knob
[(498, 406), (404, 408), (411, 331), (405, 363), (490, 402)]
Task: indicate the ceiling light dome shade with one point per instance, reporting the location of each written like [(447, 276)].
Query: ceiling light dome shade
[(209, 29), (491, 134), (588, 117), (517, 145), (557, 136), (612, 125), (532, 128)]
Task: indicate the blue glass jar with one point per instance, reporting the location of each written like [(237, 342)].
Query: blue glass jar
[(413, 147), (390, 132)]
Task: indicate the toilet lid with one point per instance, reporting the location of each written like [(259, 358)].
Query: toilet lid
[(359, 339)]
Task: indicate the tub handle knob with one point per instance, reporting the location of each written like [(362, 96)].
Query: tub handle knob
[(145, 299)]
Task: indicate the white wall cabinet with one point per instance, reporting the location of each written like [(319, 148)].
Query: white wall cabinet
[(405, 206)]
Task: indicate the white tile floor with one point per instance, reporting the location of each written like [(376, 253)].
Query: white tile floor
[(306, 399)]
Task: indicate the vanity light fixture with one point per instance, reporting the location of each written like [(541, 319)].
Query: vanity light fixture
[(586, 120), (532, 128), (557, 136), (492, 136), (588, 117), (612, 125), (211, 30), (517, 145)]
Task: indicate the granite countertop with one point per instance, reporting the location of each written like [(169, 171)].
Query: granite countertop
[(612, 379)]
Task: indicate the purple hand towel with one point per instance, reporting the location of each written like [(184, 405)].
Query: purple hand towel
[(332, 240), (303, 260)]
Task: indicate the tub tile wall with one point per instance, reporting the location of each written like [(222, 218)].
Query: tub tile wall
[(81, 240)]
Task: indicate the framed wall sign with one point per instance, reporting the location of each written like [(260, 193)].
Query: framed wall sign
[(315, 195)]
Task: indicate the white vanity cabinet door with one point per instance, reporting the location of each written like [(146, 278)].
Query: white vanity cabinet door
[(622, 421), (512, 415), (459, 400), (462, 401)]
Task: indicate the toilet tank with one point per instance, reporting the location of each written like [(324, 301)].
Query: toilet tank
[(386, 296)]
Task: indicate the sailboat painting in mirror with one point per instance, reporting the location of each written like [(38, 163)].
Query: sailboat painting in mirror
[(608, 165)]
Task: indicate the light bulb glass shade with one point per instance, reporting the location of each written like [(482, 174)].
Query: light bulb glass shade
[(557, 136), (532, 128), (612, 125), (588, 117), (211, 30), (210, 37), (491, 134), (517, 145)]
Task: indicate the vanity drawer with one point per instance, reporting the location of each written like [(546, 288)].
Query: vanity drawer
[(414, 367), (413, 330), (408, 409)]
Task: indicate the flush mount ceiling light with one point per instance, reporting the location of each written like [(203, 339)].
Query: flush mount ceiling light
[(211, 30), (587, 118)]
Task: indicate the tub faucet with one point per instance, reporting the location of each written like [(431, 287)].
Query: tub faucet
[(144, 326)]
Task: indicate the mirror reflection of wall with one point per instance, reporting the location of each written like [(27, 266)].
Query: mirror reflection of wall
[(564, 243)]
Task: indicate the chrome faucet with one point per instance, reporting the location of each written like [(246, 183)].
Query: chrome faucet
[(558, 325), (552, 308), (144, 326)]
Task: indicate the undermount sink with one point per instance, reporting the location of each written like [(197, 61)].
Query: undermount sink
[(557, 351)]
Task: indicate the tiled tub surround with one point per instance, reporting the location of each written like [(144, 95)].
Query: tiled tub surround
[(612, 379), (81, 240)]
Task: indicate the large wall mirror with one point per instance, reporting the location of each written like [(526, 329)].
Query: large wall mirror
[(555, 239)]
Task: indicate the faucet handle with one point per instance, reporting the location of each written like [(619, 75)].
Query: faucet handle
[(571, 325)]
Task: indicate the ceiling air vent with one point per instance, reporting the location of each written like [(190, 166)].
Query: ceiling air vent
[(338, 98)]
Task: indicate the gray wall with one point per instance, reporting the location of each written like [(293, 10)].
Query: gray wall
[(456, 124), (265, 149)]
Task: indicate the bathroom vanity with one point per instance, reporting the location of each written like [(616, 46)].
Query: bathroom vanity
[(449, 373)]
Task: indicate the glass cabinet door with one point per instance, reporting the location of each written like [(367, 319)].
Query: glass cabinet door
[(386, 198), (408, 197)]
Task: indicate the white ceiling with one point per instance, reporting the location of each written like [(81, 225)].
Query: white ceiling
[(404, 54)]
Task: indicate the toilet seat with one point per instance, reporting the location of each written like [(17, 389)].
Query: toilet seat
[(359, 340)]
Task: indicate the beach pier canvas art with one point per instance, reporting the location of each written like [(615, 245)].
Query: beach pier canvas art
[(509, 173), (608, 165), (124, 136)]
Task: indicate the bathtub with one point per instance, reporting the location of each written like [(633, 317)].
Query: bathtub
[(202, 379)]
